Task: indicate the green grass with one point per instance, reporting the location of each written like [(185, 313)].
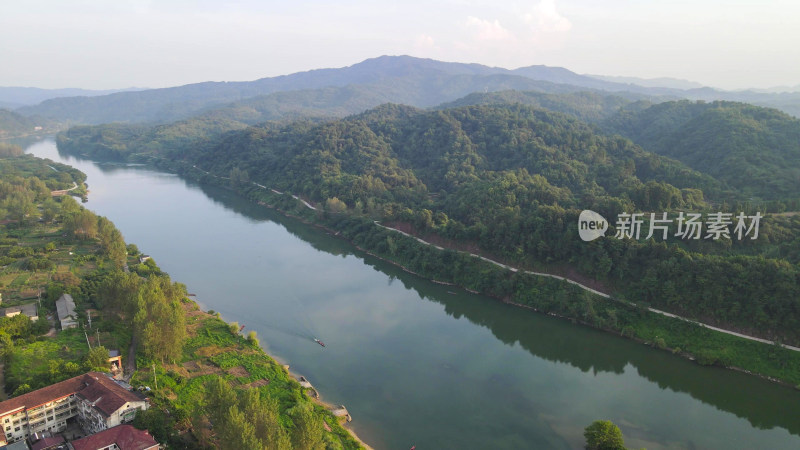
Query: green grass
[(213, 332), (20, 280)]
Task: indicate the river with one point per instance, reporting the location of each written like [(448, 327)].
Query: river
[(414, 363)]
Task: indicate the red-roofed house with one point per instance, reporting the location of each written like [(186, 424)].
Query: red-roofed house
[(122, 437), (95, 399), (48, 443)]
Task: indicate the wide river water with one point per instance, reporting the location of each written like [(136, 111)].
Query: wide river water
[(414, 363)]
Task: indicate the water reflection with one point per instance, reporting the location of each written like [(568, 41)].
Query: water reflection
[(765, 405)]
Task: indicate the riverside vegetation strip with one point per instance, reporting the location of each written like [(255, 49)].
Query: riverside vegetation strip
[(201, 369)]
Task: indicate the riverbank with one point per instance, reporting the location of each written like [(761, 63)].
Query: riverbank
[(216, 349), (331, 407), (294, 378), (701, 343), (475, 252)]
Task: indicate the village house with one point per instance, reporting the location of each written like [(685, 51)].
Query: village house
[(65, 307), (28, 310), (94, 399)]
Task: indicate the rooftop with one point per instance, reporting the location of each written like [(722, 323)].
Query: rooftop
[(29, 310), (93, 386), (125, 437), (106, 395), (65, 306), (47, 442)]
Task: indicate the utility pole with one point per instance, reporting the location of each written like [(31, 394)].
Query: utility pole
[(155, 380), (87, 339), (98, 337)]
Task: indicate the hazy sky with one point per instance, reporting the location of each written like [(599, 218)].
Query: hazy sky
[(101, 44)]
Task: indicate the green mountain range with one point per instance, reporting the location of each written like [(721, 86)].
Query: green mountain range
[(399, 79)]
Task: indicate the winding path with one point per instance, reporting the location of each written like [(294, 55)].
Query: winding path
[(602, 294)]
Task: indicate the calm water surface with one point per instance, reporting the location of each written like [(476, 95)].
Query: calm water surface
[(414, 364)]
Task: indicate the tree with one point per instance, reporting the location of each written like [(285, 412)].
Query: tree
[(159, 322), (20, 206), (115, 250), (119, 294), (6, 344), (50, 210), (97, 359), (308, 429), (104, 227), (219, 397), (252, 338), (237, 433), (156, 422), (21, 389), (81, 225), (264, 414), (603, 435), (335, 206), (69, 206), (238, 177)]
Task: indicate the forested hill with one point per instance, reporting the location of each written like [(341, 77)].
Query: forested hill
[(13, 125), (399, 153), (511, 180), (752, 149), (588, 106)]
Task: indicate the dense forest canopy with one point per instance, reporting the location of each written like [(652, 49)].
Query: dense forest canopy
[(754, 150), (512, 180)]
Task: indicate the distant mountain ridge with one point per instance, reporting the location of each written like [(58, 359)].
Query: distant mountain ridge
[(15, 97), (400, 79)]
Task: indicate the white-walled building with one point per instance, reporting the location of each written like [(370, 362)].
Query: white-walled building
[(94, 398)]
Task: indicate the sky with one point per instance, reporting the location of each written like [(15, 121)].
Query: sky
[(102, 44)]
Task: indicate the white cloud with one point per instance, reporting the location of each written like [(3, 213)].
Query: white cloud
[(544, 18), (424, 41), (487, 31)]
